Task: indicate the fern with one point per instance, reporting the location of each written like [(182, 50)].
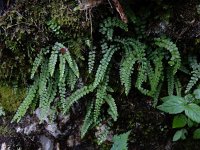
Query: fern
[(43, 77), (193, 80), (37, 62), (54, 26), (91, 61), (100, 99), (99, 76), (61, 66), (155, 76), (107, 27), (126, 69), (112, 107), (175, 59), (53, 59), (170, 81), (195, 73), (71, 79), (75, 97), (44, 105), (134, 53), (62, 89), (87, 121), (26, 103)]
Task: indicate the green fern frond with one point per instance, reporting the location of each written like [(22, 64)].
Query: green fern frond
[(155, 75), (91, 61), (101, 71), (62, 89), (100, 99), (126, 68), (44, 105), (170, 81), (175, 59), (43, 77), (71, 79), (106, 28), (26, 103), (72, 63), (37, 62), (142, 77), (87, 121), (75, 97), (61, 66), (195, 73), (112, 107), (193, 80), (52, 60)]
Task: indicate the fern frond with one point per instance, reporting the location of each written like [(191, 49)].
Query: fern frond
[(126, 68), (72, 79), (175, 59), (193, 80), (106, 28), (75, 97), (170, 81), (142, 77), (37, 62), (44, 105), (91, 61), (155, 75), (195, 73), (101, 71), (61, 66), (112, 107), (100, 99), (87, 121), (26, 103), (52, 60), (62, 89), (43, 77)]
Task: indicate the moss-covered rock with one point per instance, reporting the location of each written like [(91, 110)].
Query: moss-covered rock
[(10, 98)]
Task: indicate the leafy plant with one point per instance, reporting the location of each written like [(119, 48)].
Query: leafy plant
[(120, 141), (188, 105)]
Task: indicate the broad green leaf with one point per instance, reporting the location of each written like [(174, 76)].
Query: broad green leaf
[(197, 93), (172, 105), (180, 134), (193, 112), (120, 141), (179, 121), (196, 134)]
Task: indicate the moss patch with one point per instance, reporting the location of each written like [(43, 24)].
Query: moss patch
[(10, 98)]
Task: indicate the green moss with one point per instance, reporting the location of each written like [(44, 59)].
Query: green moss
[(10, 98), (5, 131)]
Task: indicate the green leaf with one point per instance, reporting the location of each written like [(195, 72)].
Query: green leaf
[(197, 93), (120, 141), (196, 134), (193, 112), (179, 121), (172, 105), (180, 134)]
